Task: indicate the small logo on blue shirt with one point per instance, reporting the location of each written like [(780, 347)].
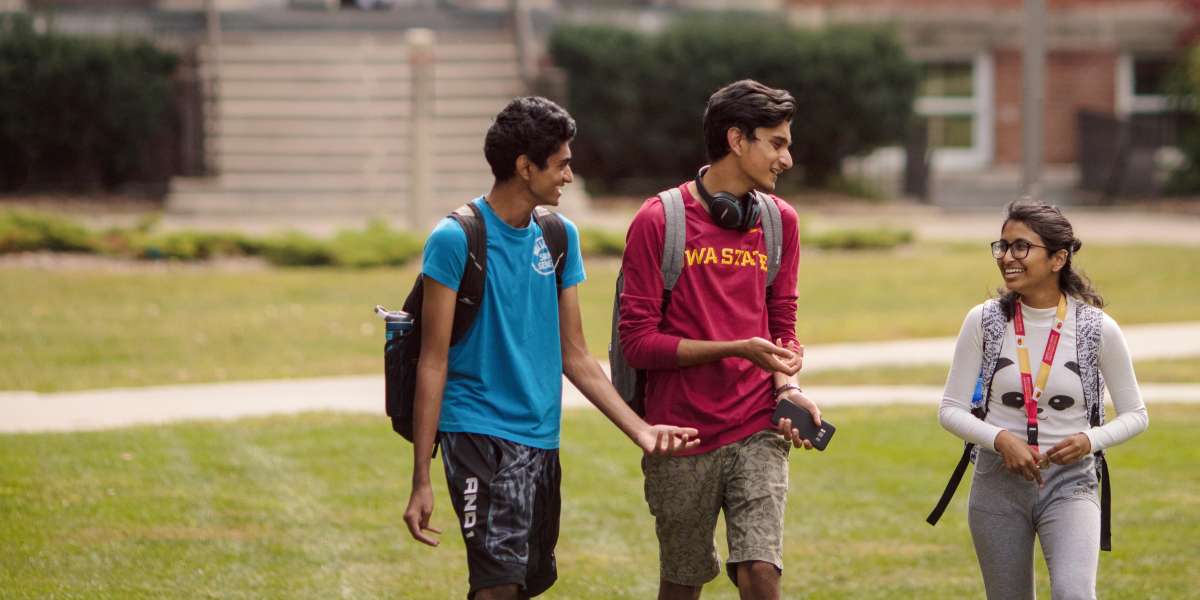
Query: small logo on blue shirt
[(543, 262)]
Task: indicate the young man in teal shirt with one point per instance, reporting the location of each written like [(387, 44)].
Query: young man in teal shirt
[(494, 399)]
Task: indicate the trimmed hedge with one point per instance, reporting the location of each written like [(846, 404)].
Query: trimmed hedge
[(377, 245), (640, 98), (22, 231), (79, 113)]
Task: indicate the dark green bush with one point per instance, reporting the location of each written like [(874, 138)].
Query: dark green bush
[(640, 98), (1184, 89), (78, 113), (22, 231)]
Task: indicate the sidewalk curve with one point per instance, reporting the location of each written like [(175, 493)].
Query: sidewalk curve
[(102, 409)]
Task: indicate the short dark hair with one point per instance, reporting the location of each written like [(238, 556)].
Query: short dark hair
[(529, 125), (747, 105)]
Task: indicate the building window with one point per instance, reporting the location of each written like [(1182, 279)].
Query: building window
[(947, 80), (1150, 76), (954, 97), (1142, 85)]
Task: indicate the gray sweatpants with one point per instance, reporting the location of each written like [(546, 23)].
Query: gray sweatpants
[(1006, 511)]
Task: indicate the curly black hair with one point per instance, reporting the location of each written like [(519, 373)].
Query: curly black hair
[(529, 125)]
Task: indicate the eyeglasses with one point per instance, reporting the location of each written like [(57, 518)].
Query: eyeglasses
[(1020, 248)]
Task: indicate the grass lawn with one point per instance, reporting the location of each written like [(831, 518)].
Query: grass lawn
[(68, 330), (310, 507)]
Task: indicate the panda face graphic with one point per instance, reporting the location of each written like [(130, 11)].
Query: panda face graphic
[(1017, 399)]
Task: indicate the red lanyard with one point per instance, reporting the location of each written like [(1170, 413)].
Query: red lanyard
[(1033, 394)]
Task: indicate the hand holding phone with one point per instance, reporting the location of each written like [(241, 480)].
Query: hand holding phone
[(803, 422)]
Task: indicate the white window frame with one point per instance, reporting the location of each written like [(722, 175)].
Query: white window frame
[(1128, 103), (980, 106)]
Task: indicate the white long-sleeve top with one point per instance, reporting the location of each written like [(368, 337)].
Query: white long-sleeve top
[(1061, 410)]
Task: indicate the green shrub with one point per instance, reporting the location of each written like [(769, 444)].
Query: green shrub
[(193, 245), (377, 245), (1184, 84), (22, 231), (79, 113), (601, 242), (857, 239), (642, 96), (294, 249)]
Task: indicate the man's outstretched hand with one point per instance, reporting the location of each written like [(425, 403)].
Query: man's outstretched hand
[(665, 440)]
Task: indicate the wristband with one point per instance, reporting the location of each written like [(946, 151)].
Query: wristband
[(787, 387)]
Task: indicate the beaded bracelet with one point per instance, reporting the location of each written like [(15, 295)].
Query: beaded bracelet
[(787, 387)]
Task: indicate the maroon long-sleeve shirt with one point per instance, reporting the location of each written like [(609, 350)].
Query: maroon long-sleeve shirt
[(721, 295)]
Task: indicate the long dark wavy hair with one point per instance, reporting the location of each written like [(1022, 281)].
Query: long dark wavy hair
[(1057, 234)]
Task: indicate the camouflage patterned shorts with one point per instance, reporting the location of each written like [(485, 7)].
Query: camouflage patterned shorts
[(749, 479)]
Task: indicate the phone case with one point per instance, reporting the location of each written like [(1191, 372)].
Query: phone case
[(802, 420)]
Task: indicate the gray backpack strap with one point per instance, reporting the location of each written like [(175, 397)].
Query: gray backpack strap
[(1088, 322), (674, 236), (772, 226), (993, 323)]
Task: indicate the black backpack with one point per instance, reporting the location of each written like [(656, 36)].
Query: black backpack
[(402, 354)]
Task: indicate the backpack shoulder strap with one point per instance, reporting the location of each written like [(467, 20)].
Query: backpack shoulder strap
[(674, 237), (554, 231), (993, 322), (470, 289), (772, 226), (1089, 323)]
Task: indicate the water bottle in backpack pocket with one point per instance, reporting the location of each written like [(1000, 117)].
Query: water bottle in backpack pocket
[(400, 367)]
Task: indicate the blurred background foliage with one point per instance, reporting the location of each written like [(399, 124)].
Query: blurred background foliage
[(644, 94), (92, 114)]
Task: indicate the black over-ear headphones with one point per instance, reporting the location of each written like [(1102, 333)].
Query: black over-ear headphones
[(727, 210)]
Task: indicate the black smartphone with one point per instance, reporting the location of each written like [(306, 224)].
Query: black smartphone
[(802, 421)]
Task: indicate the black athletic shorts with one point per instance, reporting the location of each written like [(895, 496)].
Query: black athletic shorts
[(507, 499)]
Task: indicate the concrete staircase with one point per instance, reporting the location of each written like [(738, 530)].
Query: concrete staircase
[(318, 124)]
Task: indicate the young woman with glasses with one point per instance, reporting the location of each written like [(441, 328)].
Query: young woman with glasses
[(1033, 406)]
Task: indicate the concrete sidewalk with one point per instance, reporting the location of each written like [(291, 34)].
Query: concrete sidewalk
[(1146, 342), (102, 409), (106, 409)]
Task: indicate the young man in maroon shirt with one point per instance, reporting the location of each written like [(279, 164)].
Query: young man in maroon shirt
[(723, 353)]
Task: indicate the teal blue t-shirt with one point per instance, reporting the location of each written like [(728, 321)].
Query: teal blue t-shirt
[(505, 376)]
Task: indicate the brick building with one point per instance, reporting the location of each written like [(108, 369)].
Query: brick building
[(1107, 56)]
